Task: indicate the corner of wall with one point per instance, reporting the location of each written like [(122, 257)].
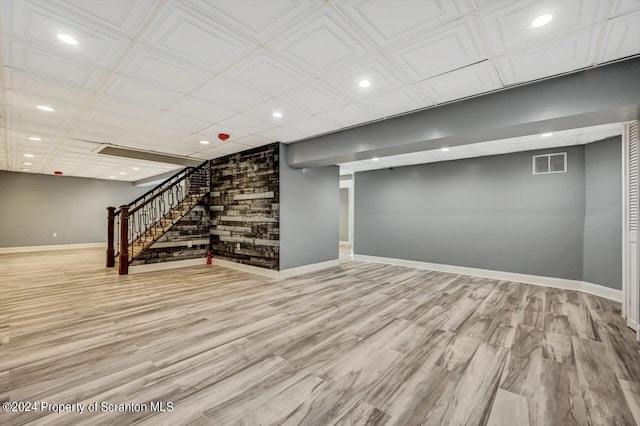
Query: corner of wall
[(309, 214)]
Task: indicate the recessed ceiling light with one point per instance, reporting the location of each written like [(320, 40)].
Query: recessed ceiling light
[(547, 135), (26, 163), (445, 149), (364, 83), (34, 138), (375, 158), (277, 114), (136, 168), (66, 38), (112, 177), (45, 108), (204, 142), (541, 20), (123, 173), (24, 169), (29, 155)]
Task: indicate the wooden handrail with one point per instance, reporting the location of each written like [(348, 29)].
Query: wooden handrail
[(187, 171), (135, 209)]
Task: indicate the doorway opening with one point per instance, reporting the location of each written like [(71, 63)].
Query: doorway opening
[(346, 217)]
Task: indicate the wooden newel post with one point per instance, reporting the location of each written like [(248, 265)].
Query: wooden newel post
[(111, 216), (123, 265)]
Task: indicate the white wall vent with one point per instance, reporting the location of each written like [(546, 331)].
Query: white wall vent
[(550, 163), (633, 175)]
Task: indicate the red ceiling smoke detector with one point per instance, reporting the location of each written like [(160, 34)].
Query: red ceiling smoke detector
[(223, 136), (57, 172)]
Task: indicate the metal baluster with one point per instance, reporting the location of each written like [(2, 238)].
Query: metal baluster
[(152, 213), (161, 205), (116, 243), (132, 221), (139, 224), (179, 193), (145, 221)]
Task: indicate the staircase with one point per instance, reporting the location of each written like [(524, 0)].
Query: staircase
[(136, 226)]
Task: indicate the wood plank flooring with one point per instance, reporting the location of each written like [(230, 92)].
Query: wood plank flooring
[(357, 344)]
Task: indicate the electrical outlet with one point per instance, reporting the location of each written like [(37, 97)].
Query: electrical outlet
[(55, 235)]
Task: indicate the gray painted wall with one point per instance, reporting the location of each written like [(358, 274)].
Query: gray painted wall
[(487, 212), (34, 206), (309, 211), (603, 213), (344, 214)]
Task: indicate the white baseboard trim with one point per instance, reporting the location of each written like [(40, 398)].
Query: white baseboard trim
[(602, 291), (269, 273), (565, 284), (278, 275), (27, 249), (307, 269), (152, 267)]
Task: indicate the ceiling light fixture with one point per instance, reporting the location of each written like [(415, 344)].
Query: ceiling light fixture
[(547, 135), (112, 177), (445, 149), (34, 138), (66, 38), (24, 169), (375, 158), (541, 20), (26, 163), (277, 114), (204, 142), (123, 173), (29, 155), (136, 168), (364, 83), (45, 108)]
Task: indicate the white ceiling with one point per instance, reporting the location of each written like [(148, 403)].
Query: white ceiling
[(580, 136), (161, 75)]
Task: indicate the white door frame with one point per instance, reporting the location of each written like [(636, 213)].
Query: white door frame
[(348, 184)]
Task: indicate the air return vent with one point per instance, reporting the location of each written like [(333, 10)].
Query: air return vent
[(633, 168), (119, 151), (550, 163)]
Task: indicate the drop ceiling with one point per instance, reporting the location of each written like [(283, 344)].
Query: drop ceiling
[(162, 76)]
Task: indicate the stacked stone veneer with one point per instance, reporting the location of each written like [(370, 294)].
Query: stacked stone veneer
[(245, 207), (187, 239)]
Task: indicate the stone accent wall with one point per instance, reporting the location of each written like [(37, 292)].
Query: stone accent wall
[(245, 209), (187, 239)]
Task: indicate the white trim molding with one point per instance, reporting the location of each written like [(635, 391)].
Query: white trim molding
[(27, 249), (162, 266), (278, 275), (595, 289), (269, 273), (307, 269), (348, 184)]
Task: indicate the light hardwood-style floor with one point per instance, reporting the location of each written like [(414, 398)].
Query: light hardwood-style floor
[(357, 344)]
